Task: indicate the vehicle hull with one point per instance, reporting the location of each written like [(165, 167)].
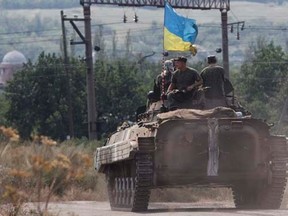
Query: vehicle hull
[(183, 148)]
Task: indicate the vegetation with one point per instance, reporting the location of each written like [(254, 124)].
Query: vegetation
[(3, 108), (38, 97), (39, 103), (40, 171), (261, 81), (120, 89)]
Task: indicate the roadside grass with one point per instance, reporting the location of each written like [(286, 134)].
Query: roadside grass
[(41, 171)]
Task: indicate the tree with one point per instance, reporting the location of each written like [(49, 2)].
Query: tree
[(19, 92), (38, 98), (261, 79), (120, 90), (4, 105), (39, 102)]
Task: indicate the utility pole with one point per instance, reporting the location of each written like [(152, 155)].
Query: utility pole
[(91, 101), (86, 39), (225, 53), (68, 77)]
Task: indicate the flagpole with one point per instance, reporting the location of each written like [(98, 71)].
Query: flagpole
[(163, 80), (163, 67), (164, 25)]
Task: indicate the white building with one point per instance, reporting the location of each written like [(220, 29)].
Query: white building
[(11, 62)]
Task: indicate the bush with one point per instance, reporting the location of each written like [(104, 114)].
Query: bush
[(40, 170)]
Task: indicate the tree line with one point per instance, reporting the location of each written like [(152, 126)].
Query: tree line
[(38, 95), (36, 100), (261, 83)]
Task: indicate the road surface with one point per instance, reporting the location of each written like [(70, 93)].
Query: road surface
[(89, 208)]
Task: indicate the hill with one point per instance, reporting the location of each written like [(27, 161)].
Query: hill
[(266, 20)]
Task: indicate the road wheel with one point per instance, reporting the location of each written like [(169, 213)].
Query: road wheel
[(129, 184)]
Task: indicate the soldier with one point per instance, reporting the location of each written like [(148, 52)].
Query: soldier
[(213, 80), (163, 80), (184, 82)]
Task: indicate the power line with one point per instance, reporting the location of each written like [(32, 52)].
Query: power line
[(260, 27), (34, 41), (122, 33), (28, 32)]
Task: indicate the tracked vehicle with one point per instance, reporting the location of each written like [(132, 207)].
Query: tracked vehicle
[(221, 147)]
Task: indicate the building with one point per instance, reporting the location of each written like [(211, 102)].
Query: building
[(11, 63)]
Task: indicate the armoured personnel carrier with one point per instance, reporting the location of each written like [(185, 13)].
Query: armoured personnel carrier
[(220, 147)]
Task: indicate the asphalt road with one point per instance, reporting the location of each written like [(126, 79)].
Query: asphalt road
[(87, 208)]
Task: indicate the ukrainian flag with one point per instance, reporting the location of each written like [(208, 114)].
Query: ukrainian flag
[(179, 32)]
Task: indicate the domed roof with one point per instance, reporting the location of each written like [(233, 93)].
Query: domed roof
[(14, 57)]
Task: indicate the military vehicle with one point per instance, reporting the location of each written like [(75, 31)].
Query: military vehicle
[(220, 147)]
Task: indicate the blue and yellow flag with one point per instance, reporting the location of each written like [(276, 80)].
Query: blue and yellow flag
[(179, 32)]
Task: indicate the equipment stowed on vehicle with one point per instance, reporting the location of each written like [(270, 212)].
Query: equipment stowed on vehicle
[(220, 147)]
